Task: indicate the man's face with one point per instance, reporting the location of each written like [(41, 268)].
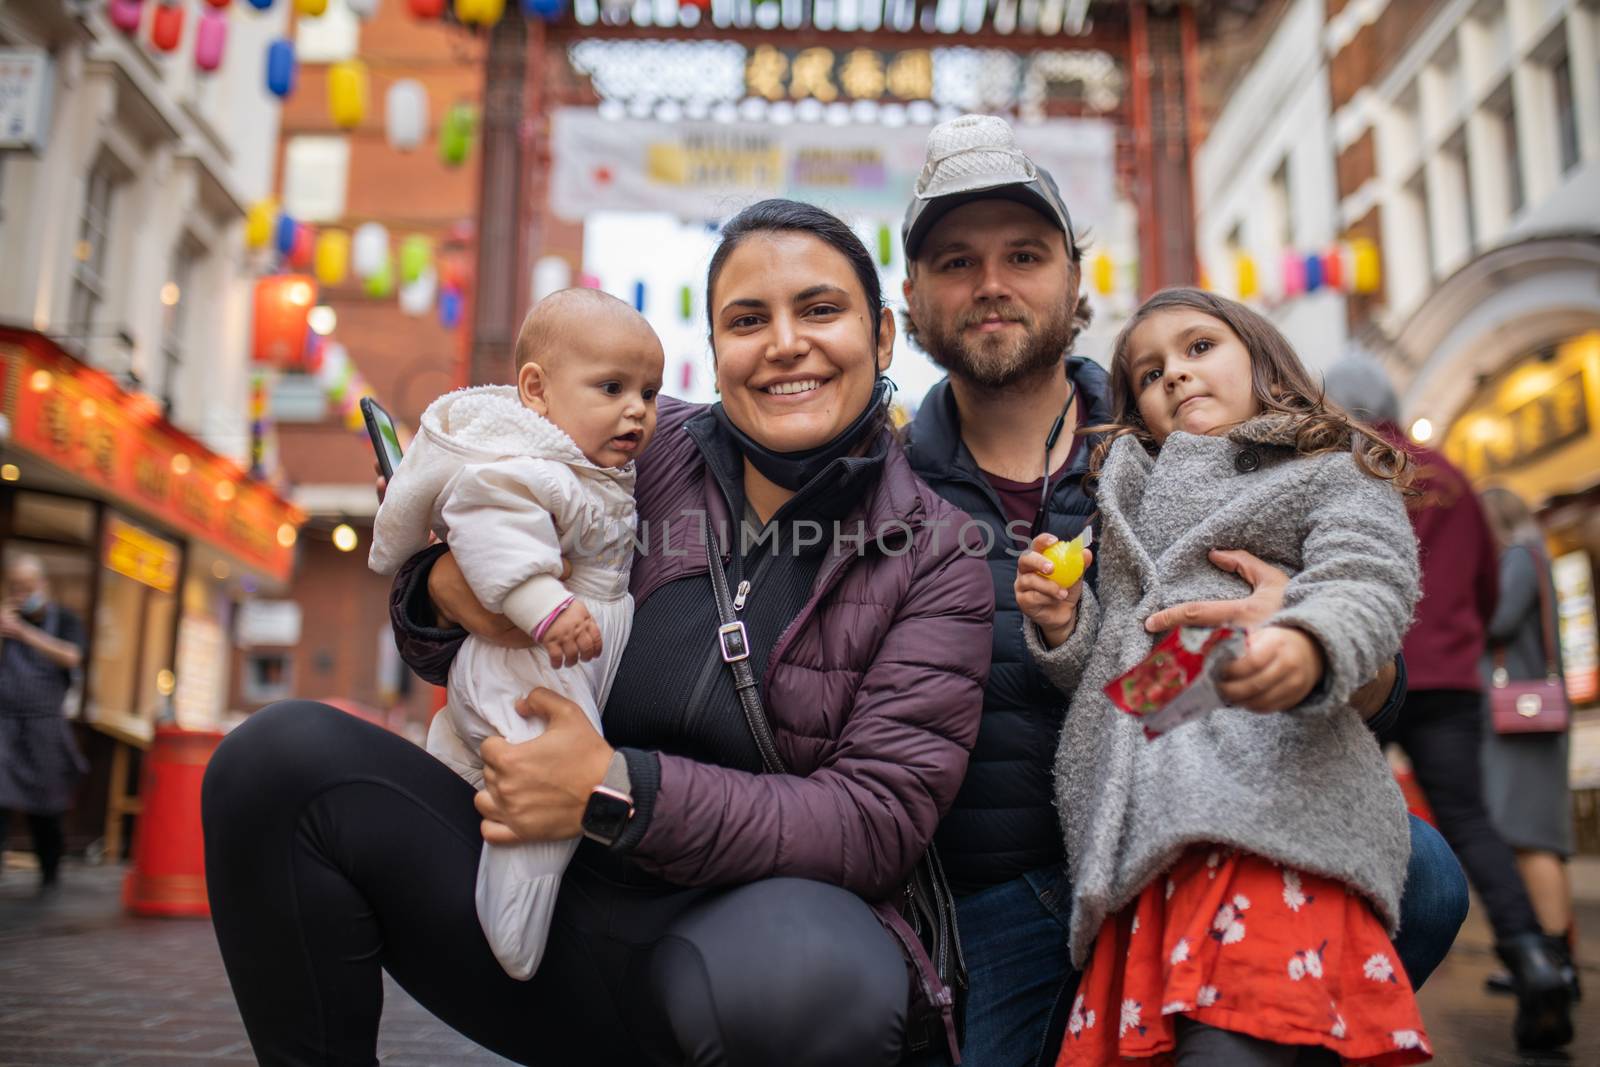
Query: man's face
[(24, 583), (992, 293)]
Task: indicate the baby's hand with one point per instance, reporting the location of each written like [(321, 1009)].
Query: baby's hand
[(1279, 668), (1053, 609), (572, 638)]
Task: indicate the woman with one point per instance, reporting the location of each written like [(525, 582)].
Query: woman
[(1525, 775), (726, 922)]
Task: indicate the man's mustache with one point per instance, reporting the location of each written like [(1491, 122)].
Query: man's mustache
[(1009, 315)]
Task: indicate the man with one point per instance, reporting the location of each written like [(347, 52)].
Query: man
[(993, 273), (41, 644), (1441, 724)]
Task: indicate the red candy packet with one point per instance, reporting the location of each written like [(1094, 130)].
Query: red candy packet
[(1177, 681)]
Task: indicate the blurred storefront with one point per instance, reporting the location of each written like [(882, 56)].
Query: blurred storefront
[(150, 537)]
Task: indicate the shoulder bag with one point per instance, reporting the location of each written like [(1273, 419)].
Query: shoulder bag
[(1534, 705), (922, 917)]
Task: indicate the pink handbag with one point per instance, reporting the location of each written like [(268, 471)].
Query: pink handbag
[(1531, 705)]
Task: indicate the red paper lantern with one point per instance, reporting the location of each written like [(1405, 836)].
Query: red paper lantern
[(166, 29), (303, 251), (426, 9), (219, 4), (279, 332), (1333, 269)]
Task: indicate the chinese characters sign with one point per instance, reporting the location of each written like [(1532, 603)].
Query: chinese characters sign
[(1556, 417), (822, 74)]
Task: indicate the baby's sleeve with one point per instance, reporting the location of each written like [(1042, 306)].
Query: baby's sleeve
[(505, 519), (1359, 583)]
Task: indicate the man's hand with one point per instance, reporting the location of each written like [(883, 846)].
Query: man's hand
[(1050, 607), (1267, 584), (572, 638), (11, 624), (455, 605), (537, 790), (1278, 670)]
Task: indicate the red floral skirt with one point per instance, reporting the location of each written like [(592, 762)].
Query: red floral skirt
[(1239, 943)]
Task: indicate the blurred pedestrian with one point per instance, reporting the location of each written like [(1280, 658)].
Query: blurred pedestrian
[(1525, 774), (1441, 725), (41, 644)]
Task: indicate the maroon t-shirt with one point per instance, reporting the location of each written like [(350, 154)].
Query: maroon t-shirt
[(1020, 500)]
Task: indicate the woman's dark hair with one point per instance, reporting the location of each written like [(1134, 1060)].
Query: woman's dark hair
[(792, 216), (1278, 380)]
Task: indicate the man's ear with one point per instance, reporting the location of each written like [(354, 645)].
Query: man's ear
[(532, 384)]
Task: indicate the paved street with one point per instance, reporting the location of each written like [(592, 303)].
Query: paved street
[(82, 984)]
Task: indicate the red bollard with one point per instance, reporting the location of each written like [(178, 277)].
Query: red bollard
[(168, 876)]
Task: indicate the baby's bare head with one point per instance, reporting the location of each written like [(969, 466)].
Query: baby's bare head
[(572, 323)]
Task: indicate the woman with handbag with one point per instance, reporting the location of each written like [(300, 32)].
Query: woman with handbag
[(791, 717), (1525, 760)]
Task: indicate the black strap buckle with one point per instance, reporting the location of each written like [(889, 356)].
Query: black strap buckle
[(735, 642)]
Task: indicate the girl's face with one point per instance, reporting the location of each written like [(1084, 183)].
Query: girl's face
[(792, 335), (1189, 372)]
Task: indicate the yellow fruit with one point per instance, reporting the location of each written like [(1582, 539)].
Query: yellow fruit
[(1067, 556)]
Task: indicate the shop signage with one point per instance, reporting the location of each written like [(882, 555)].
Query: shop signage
[(25, 82), (78, 420), (709, 170), (1579, 637), (274, 623), (822, 74), (1489, 443), (144, 557)]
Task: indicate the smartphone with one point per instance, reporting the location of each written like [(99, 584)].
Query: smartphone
[(385, 442)]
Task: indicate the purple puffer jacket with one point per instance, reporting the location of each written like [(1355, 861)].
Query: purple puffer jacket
[(874, 691)]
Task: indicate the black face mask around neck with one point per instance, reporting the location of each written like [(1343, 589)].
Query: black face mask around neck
[(793, 470)]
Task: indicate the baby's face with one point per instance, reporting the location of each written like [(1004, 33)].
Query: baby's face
[(602, 390)]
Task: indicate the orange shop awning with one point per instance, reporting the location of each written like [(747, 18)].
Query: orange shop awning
[(79, 421)]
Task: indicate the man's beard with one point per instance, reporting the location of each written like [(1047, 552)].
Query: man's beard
[(998, 360)]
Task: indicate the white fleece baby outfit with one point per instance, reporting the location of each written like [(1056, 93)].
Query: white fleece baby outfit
[(513, 495)]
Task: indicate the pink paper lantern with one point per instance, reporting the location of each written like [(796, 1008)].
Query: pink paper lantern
[(1294, 274), (209, 40), (125, 14)]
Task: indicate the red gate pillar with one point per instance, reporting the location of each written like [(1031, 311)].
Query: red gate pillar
[(498, 292), (1162, 61)]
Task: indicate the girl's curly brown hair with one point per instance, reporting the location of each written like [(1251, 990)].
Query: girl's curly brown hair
[(1278, 380)]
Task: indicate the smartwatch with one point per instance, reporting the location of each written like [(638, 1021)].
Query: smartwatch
[(610, 805)]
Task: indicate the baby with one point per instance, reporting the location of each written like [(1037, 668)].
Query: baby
[(517, 480)]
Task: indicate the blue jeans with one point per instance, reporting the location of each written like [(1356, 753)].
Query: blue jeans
[(1014, 936)]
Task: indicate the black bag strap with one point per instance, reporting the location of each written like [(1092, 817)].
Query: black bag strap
[(733, 644)]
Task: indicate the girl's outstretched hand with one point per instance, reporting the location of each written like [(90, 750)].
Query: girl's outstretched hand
[(1049, 606), (1279, 668)]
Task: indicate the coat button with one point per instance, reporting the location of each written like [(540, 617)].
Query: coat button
[(1246, 461)]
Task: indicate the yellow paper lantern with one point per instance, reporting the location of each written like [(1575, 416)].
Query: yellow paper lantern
[(260, 223), (311, 7), (331, 261), (1367, 274), (480, 12), (1103, 273), (347, 93), (1244, 269)]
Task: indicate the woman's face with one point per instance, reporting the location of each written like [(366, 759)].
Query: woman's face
[(792, 336)]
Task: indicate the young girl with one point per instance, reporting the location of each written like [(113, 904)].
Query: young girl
[(1235, 877)]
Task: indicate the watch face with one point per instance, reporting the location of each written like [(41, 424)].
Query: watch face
[(606, 815)]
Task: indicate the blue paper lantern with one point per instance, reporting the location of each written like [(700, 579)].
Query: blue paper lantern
[(283, 235), (638, 297), (261, 5), (450, 308), (1313, 273), (280, 67), (548, 10)]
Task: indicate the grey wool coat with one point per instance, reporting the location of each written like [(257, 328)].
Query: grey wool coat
[(1307, 788)]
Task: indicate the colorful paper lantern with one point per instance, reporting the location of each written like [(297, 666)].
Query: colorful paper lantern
[(301, 252), (638, 297), (261, 5), (1294, 274), (885, 245), (1104, 273), (369, 250), (456, 133), (551, 274), (426, 9), (209, 40), (416, 298), (362, 9), (686, 303), (450, 301), (166, 28), (332, 259), (480, 12), (311, 7), (282, 302), (1313, 272), (347, 93), (1366, 271), (405, 114), (219, 4), (547, 10), (380, 283), (126, 14), (259, 223), (416, 256), (335, 366), (1244, 272), (281, 67), (453, 271), (1333, 268), (283, 234)]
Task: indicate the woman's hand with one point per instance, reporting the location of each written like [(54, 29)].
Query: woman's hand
[(537, 790), (1050, 607), (1278, 670), (1267, 584), (456, 605)]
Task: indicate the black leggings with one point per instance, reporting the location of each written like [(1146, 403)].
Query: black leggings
[(335, 848), (48, 840)]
